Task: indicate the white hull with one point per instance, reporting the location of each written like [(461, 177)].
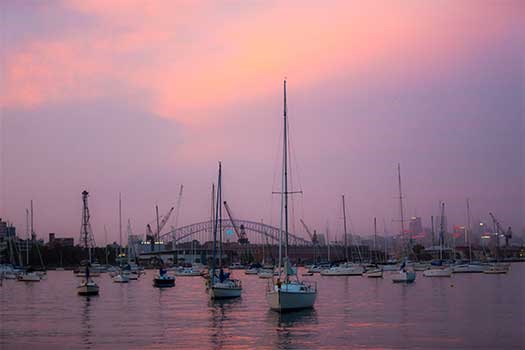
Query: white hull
[(89, 288), (469, 268), (251, 272), (224, 291), (403, 277), (265, 274), (343, 271), (29, 277), (280, 300), (444, 272), (91, 274), (121, 279), (390, 268), (497, 269), (374, 274)]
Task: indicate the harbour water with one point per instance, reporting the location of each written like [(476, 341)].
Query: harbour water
[(463, 312)]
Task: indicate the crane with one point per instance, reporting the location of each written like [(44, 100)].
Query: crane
[(501, 231), (239, 231), (150, 236), (313, 236)]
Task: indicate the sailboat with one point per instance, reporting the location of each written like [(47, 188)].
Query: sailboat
[(471, 266), (87, 286), (220, 285), (29, 275), (121, 276), (285, 294), (376, 271), (438, 269), (347, 268), (404, 275)]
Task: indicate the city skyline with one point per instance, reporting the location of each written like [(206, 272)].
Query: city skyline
[(137, 99)]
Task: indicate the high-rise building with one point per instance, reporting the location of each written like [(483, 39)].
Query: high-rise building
[(414, 225), (3, 228)]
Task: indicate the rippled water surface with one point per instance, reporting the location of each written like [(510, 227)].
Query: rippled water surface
[(462, 312)]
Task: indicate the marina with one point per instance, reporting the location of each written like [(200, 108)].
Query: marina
[(353, 312)]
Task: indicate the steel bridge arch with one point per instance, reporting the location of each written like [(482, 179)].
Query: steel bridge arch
[(269, 231)]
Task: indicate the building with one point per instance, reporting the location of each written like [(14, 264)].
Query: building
[(3, 228), (415, 226), (60, 242)]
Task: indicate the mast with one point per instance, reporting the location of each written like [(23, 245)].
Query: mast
[(468, 231), (219, 198), (106, 241), (27, 237), (344, 226), (328, 241), (285, 169), (216, 220), (32, 230), (432, 230), (401, 207), (158, 224), (120, 224), (86, 236), (375, 237), (441, 231), (385, 242), (212, 211)]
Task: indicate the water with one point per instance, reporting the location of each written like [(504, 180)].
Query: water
[(462, 312)]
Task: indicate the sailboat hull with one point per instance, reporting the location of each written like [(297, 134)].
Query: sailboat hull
[(287, 301), (29, 277), (217, 292), (403, 277), (445, 272), (88, 289)]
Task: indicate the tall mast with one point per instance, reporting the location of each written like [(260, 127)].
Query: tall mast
[(375, 236), (120, 223), (216, 221), (212, 211), (27, 236), (285, 169), (106, 242), (158, 224), (384, 234), (401, 206), (328, 241), (441, 231), (86, 236), (468, 231), (219, 198), (432, 230), (344, 227), (32, 230), (176, 222)]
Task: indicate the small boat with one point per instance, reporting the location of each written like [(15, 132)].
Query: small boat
[(87, 286), (469, 268), (403, 275), (307, 273), (265, 273), (121, 278), (163, 280), (29, 276), (419, 266), (223, 287), (390, 267), (219, 284), (251, 271), (187, 272), (497, 269), (236, 266), (346, 269), (438, 271)]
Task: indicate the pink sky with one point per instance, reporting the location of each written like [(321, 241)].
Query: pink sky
[(140, 97)]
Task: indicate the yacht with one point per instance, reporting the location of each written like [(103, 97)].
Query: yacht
[(287, 293), (163, 280)]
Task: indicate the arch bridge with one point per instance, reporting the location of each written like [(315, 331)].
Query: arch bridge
[(259, 232)]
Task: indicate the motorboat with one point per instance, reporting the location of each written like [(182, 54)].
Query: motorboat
[(187, 272)]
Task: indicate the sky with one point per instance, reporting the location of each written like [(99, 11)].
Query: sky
[(139, 97)]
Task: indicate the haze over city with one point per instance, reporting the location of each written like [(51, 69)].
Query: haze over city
[(141, 97)]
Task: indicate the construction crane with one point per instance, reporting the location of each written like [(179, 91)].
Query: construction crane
[(239, 231), (313, 237), (150, 235), (501, 231)]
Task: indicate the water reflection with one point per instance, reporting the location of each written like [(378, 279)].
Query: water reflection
[(86, 327), (295, 327)]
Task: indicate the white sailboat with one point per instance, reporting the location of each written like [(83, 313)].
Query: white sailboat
[(440, 270), (404, 274), (285, 294), (220, 285)]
